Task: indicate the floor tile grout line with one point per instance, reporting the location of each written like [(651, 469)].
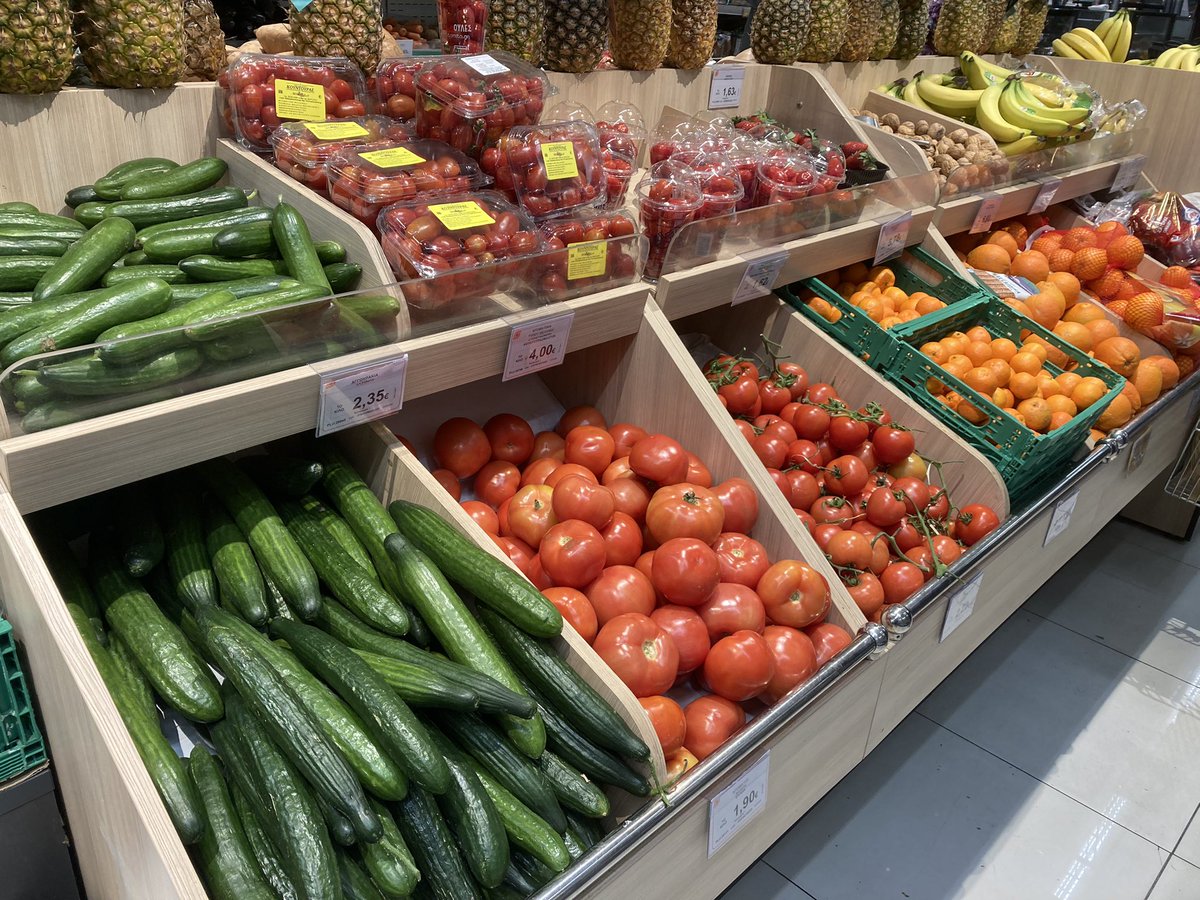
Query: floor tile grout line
[(1137, 530), (790, 881)]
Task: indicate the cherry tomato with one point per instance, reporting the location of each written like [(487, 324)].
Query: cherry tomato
[(576, 497), (575, 609), (688, 634), (640, 653), (449, 481), (892, 444), (900, 580), (624, 436), (685, 571), (828, 640), (531, 513), (660, 459), (622, 540), (539, 470), (730, 608), (794, 593), (511, 438), (548, 444), (846, 476), (684, 510), (670, 726), (849, 549), (974, 522), (631, 497), (711, 721), (740, 559), (740, 666), (741, 504), (590, 447), (865, 590), (618, 590), (496, 482), (482, 515), (795, 660), (572, 553), (461, 446)]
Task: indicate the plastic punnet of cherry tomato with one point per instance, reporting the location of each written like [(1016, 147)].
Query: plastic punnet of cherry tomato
[(396, 88), (651, 562), (719, 181), (556, 167), (363, 180), (262, 91), (783, 174), (829, 164), (669, 196), (853, 477), (302, 148), (622, 128), (618, 173), (586, 269), (462, 25)]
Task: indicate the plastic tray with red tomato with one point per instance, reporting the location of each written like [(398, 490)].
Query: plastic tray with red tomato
[(600, 250), (462, 25), (668, 196), (556, 168), (783, 174), (302, 148), (262, 91), (396, 88)]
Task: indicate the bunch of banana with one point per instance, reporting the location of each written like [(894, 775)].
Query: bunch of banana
[(1185, 57), (1021, 115), (905, 89), (981, 73), (1083, 43), (1116, 31), (948, 95)]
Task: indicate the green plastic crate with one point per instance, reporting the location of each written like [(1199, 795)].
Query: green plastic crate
[(915, 270), (21, 744), (1025, 459)]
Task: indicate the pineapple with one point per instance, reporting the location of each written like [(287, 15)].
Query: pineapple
[(35, 45), (693, 33), (131, 43), (205, 41), (862, 28), (576, 33), (914, 29), (640, 33), (351, 28), (825, 31), (1006, 34), (516, 26), (889, 28), (779, 30), (965, 25), (1032, 24)]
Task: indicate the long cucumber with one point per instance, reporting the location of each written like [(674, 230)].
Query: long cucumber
[(420, 687), (234, 565), (270, 865), (87, 259), (525, 828), (389, 860)]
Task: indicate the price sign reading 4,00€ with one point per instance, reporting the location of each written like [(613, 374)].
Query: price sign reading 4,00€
[(536, 345), (362, 394)]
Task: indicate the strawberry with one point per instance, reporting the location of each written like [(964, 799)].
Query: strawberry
[(852, 147)]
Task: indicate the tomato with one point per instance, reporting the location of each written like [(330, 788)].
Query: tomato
[(616, 470), (900, 580), (669, 724), (740, 502), (946, 548), (685, 571), (548, 444), (846, 433), (810, 422), (912, 466), (575, 497), (771, 424), (502, 516), (660, 459), (804, 454), (531, 513), (537, 574), (805, 490), (771, 449), (793, 377), (640, 653), (461, 446), (893, 444), (828, 640), (916, 493), (631, 497), (518, 551), (572, 553), (795, 660), (624, 437), (806, 519), (865, 590), (906, 535), (483, 515), (711, 721), (539, 470), (680, 763), (730, 608), (590, 447), (774, 396), (865, 452), (511, 438), (886, 507), (580, 415), (794, 593), (746, 429), (684, 510), (881, 552), (781, 482), (449, 481), (740, 666), (939, 504), (849, 549), (618, 590), (698, 472), (832, 510), (974, 522), (820, 393), (566, 470), (741, 395), (622, 540), (688, 633), (823, 534), (496, 482), (740, 559), (575, 609), (846, 476)]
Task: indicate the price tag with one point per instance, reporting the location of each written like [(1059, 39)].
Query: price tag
[(987, 213), (392, 157), (1137, 452), (485, 64), (361, 394), (464, 214), (730, 810), (540, 344), (960, 607), (406, 46), (559, 157), (332, 131), (1045, 195), (1061, 517), (759, 277), (299, 100), (1128, 172), (893, 238), (725, 91), (587, 260)]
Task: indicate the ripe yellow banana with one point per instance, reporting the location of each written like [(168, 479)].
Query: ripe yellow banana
[(1017, 109), (909, 94), (1071, 115), (990, 120), (1104, 29), (1085, 42), (1168, 59), (1023, 145), (1120, 48), (950, 101), (1044, 95), (981, 73), (1062, 49)]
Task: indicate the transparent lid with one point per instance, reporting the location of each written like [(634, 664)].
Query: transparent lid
[(475, 86), (556, 166), (829, 162), (390, 172), (621, 127), (670, 186), (720, 181), (569, 111), (789, 170), (310, 144)]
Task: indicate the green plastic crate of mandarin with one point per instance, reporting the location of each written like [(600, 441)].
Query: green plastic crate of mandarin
[(21, 744), (1024, 458), (915, 270)]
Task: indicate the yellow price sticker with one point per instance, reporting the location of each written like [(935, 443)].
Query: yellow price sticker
[(299, 100), (332, 131), (559, 157), (464, 214), (587, 260), (392, 157)]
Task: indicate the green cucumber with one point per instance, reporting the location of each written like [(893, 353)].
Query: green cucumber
[(459, 633), (297, 248), (32, 246), (68, 576), (252, 341), (86, 260), (208, 326), (572, 787), (22, 273), (206, 267), (275, 601), (575, 846), (92, 377), (17, 206), (488, 579), (15, 299), (133, 259), (354, 330), (516, 882), (234, 566), (186, 179), (139, 534), (91, 212), (533, 868), (57, 413), (589, 831), (343, 277), (373, 307), (283, 475), (419, 687), (340, 531), (16, 321), (17, 231), (330, 252), (27, 390), (246, 240), (443, 871), (187, 550), (239, 287), (339, 826), (135, 680), (171, 209), (109, 185), (212, 222), (525, 828), (41, 220), (176, 246), (85, 193), (133, 341), (355, 883), (270, 865), (388, 860), (167, 273), (230, 869)]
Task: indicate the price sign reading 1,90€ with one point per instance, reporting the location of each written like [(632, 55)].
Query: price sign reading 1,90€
[(730, 810), (361, 394), (537, 345)]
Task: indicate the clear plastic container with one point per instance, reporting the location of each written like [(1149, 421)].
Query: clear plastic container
[(669, 196), (618, 173), (263, 91), (462, 25), (621, 128), (494, 164), (396, 87), (783, 175), (302, 148), (577, 272), (470, 101), (556, 167), (363, 180), (744, 155), (719, 180), (829, 164), (569, 111)]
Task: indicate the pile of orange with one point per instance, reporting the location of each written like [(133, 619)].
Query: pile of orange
[(874, 291)]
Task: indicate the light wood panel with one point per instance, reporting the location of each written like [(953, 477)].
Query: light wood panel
[(881, 104), (853, 81)]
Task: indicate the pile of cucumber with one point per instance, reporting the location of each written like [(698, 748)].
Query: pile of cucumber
[(381, 712), (156, 261)]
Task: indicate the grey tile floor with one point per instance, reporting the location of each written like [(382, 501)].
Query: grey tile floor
[(1059, 761)]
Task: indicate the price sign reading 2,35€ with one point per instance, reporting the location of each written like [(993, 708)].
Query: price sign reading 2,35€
[(730, 810), (538, 344), (361, 394)]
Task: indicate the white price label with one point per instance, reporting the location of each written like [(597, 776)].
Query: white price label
[(759, 277), (1060, 519), (360, 394), (731, 809), (1045, 195), (725, 91), (540, 344), (893, 238), (988, 207), (1137, 452), (960, 607), (406, 47), (485, 64), (1128, 172)]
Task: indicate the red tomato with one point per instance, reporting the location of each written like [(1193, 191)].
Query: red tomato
[(669, 723), (886, 507), (660, 459), (740, 666), (518, 551), (624, 436), (685, 571), (740, 502), (618, 590), (892, 444), (622, 540), (823, 534), (804, 454), (537, 574), (511, 438), (730, 608), (922, 557), (781, 482), (685, 510), (617, 469), (567, 469), (946, 548), (881, 551), (740, 559), (572, 553), (711, 721), (865, 590), (865, 452), (795, 660), (698, 472), (548, 444), (449, 481), (916, 493), (580, 415), (461, 446), (774, 396), (804, 488), (740, 395), (771, 424), (832, 511), (590, 447), (496, 482), (575, 609), (974, 522), (771, 449), (849, 549), (900, 580), (846, 476), (939, 504), (631, 497), (680, 763), (502, 516), (531, 513), (846, 433), (806, 519), (640, 653), (820, 393), (794, 593), (483, 515), (746, 429), (688, 634), (539, 470), (810, 421), (828, 639), (793, 377), (575, 497), (905, 534)]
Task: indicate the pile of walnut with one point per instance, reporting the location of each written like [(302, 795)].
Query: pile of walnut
[(962, 160)]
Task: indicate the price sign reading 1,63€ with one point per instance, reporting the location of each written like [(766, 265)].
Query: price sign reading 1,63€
[(730, 810), (725, 90), (538, 344), (361, 394)]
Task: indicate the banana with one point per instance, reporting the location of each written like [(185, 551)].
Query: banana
[(1024, 145), (909, 94), (1086, 38), (1120, 48), (1062, 49), (1104, 29), (950, 101), (1071, 115), (981, 73), (1044, 95), (1014, 105), (1166, 59), (990, 120)]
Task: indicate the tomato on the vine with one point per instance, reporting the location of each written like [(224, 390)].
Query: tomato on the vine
[(684, 510), (865, 590), (794, 593), (774, 396), (771, 449), (916, 493), (974, 522), (794, 377), (572, 553), (892, 445), (886, 507), (730, 608), (803, 453), (639, 652), (805, 489), (849, 549), (740, 395), (832, 511), (846, 476), (900, 580), (819, 393), (740, 666), (939, 504), (847, 432), (688, 633), (810, 422)]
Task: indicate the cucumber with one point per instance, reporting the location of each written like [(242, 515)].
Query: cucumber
[(253, 341), (162, 765), (572, 787), (489, 580), (206, 267), (86, 260), (533, 868), (18, 320), (139, 535), (295, 730), (517, 883), (589, 831), (40, 220), (17, 299), (330, 252), (297, 248), (32, 246), (135, 681), (239, 287), (388, 860), (343, 277), (562, 686), (17, 206), (212, 222), (171, 209), (373, 307), (276, 603), (65, 570), (186, 179), (355, 883), (22, 273), (442, 869), (91, 212), (57, 413), (234, 566), (92, 377), (387, 718), (230, 869), (167, 273), (341, 532), (85, 193), (161, 650), (525, 828), (270, 866), (187, 551), (575, 847), (133, 341), (284, 475), (87, 320), (354, 330), (209, 326), (176, 246), (109, 185), (339, 826), (277, 553), (419, 687), (460, 634), (246, 240), (24, 232), (27, 390)]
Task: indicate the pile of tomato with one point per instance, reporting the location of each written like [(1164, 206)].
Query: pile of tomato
[(853, 477), (654, 565)]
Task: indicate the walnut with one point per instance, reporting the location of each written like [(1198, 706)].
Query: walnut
[(906, 129), (957, 152), (944, 145), (946, 164), (959, 135), (937, 131), (891, 119), (887, 128), (922, 127)]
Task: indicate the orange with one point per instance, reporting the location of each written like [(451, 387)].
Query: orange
[(1108, 285), (1126, 252), (957, 365), (971, 413), (1130, 392), (1089, 263), (1047, 386), (1083, 313), (1068, 380), (990, 258), (1068, 284), (1032, 265), (882, 276), (1186, 364), (895, 294), (1003, 397), (1061, 403), (907, 315), (1047, 244), (1003, 348), (1102, 330), (1129, 290), (1001, 369), (1046, 307), (823, 309), (982, 380), (1117, 414), (1053, 354), (1037, 349), (1144, 311), (890, 321), (1169, 369), (833, 276), (1118, 307), (1016, 415), (1059, 419), (1119, 354), (1018, 305), (1079, 237), (978, 333), (979, 352), (935, 351), (1075, 334), (1176, 277), (1060, 260), (1036, 413), (927, 305), (1005, 241), (1019, 232), (1088, 391), (1148, 379), (856, 273), (1107, 232), (1023, 385), (847, 289), (1025, 363)]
